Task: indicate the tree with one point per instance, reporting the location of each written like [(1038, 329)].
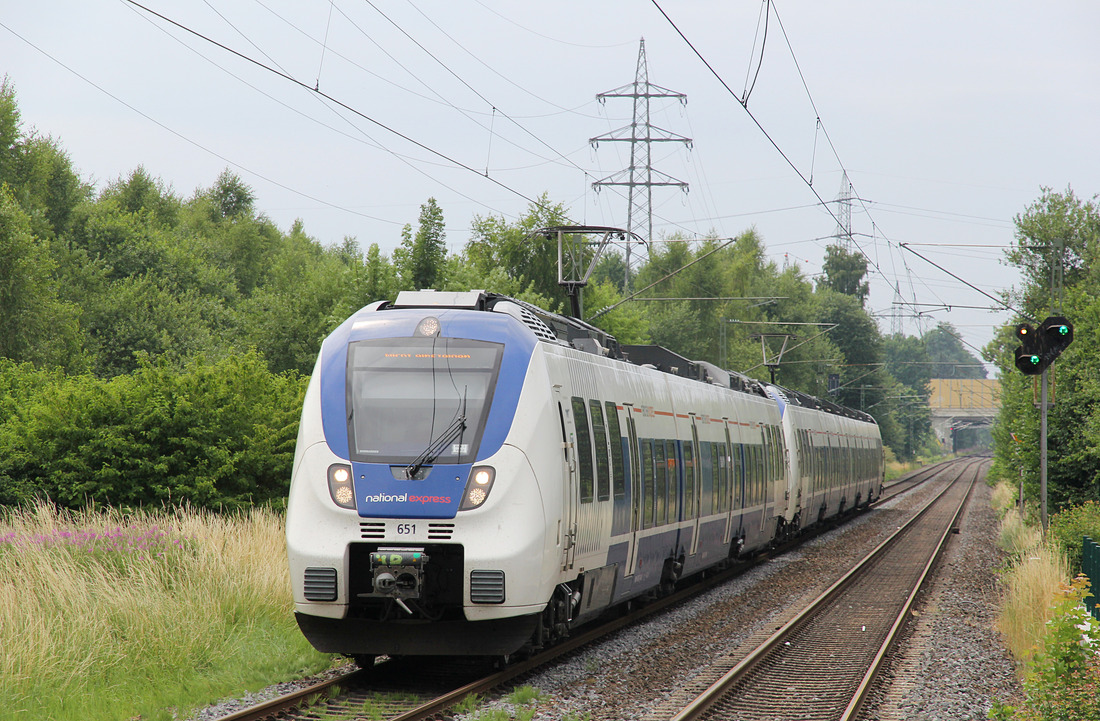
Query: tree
[(10, 131), (38, 171), (530, 259), (142, 192), (420, 258), (949, 357), (1056, 229), (864, 381), (628, 322), (846, 272), (35, 325), (230, 197), (908, 360)]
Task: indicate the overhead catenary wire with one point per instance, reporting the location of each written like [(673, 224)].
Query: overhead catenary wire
[(289, 78), (743, 102), (365, 138), (191, 141)]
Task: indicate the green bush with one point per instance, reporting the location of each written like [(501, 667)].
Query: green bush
[(212, 434), (1070, 525), (1063, 676)]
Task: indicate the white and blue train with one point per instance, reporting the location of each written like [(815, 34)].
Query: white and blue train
[(477, 476)]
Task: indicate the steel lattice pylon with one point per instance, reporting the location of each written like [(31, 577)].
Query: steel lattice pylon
[(640, 177)]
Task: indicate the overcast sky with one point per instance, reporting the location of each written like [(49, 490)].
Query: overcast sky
[(948, 118)]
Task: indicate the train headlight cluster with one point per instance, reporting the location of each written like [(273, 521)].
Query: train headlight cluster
[(478, 487), (340, 486)]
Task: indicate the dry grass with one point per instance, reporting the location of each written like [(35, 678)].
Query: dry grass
[(1032, 586), (1004, 498), (106, 614), (1017, 538)]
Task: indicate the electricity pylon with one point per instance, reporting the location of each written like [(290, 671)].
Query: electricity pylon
[(640, 177), (843, 232)]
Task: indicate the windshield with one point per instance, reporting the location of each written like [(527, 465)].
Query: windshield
[(404, 394)]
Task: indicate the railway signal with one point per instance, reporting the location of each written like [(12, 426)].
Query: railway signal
[(1039, 348), (1027, 353)]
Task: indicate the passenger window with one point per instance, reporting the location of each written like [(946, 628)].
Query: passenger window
[(706, 479), (599, 436), (618, 486), (647, 483), (689, 481), (673, 482), (718, 470), (584, 450), (660, 469), (738, 468)]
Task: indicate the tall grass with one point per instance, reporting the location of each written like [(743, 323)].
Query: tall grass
[(111, 615), (1016, 538), (1032, 586)]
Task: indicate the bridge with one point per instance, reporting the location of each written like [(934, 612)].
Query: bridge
[(962, 403)]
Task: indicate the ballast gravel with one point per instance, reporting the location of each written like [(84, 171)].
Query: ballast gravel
[(951, 662)]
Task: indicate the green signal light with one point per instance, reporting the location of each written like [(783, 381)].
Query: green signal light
[(1034, 360), (1063, 330)]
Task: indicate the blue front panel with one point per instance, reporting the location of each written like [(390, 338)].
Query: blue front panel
[(378, 492), (380, 495)]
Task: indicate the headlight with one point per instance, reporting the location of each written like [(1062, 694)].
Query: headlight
[(340, 486), (478, 487)]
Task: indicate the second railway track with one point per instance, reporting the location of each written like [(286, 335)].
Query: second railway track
[(819, 664)]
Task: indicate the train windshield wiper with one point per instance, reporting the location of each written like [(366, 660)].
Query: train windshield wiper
[(435, 448)]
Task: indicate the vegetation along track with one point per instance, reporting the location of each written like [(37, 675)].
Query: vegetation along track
[(821, 663)]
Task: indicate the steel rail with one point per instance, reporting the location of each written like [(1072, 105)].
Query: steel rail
[(880, 656), (714, 693)]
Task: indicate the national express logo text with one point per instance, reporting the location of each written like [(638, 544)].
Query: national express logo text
[(405, 498)]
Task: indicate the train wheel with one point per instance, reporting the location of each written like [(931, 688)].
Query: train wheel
[(365, 661)]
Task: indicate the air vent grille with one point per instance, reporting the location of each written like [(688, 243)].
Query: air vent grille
[(320, 584), (375, 529), (487, 586), (440, 531), (541, 330)]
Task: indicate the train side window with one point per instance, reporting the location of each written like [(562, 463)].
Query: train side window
[(647, 483), (618, 484), (599, 437), (756, 470), (673, 487), (706, 490), (766, 450), (727, 474), (718, 469), (660, 475), (689, 481), (750, 475), (584, 449), (777, 452), (740, 492)]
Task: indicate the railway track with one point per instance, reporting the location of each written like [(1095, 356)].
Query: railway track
[(820, 664), (417, 688)]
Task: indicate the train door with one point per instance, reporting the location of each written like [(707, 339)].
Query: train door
[(569, 484), (767, 493), (725, 465), (692, 484), (635, 491)]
